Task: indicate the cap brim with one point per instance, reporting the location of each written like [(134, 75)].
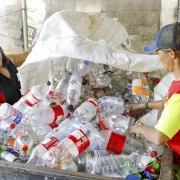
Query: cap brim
[(150, 48)]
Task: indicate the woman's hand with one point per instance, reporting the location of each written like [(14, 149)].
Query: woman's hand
[(136, 129)]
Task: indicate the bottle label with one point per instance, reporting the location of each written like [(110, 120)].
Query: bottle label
[(116, 143), (101, 123), (58, 116), (8, 156), (30, 99), (17, 115), (79, 138), (140, 87), (75, 83), (50, 142), (92, 101)]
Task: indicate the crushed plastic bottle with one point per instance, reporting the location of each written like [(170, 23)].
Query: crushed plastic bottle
[(61, 88), (140, 87), (32, 97), (78, 67), (116, 123), (87, 110), (121, 166), (74, 90)]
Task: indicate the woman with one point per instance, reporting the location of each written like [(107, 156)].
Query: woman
[(9, 84), (167, 129)]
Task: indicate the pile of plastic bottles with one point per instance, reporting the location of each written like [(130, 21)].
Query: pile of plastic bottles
[(81, 123)]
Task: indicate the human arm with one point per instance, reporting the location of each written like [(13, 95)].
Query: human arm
[(167, 126), (151, 105), (19, 59), (150, 133)]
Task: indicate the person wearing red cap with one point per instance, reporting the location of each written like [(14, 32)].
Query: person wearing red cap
[(9, 83), (167, 129)]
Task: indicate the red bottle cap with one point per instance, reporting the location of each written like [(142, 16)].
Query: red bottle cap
[(12, 126), (153, 154), (25, 148), (150, 169), (157, 80)]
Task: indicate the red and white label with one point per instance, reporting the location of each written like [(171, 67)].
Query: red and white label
[(50, 142), (79, 138), (92, 101), (116, 143), (30, 99), (103, 126)]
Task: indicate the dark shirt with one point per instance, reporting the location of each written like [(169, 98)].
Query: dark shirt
[(10, 87)]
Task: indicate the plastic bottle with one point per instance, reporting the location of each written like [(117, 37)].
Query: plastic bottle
[(74, 90), (7, 156), (78, 67), (111, 105), (122, 166), (58, 75), (41, 131), (50, 99), (32, 97), (69, 148), (116, 123), (10, 114), (140, 87), (91, 157), (117, 86), (102, 68), (119, 143), (61, 88), (102, 80), (70, 166), (86, 91), (52, 139), (23, 154), (97, 93), (87, 109), (23, 141), (51, 115)]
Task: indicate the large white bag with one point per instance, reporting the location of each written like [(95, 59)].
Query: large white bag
[(82, 36)]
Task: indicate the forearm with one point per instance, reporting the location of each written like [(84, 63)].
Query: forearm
[(151, 105), (155, 104), (153, 135), (18, 59)]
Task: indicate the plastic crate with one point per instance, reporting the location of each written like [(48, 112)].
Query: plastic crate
[(16, 171)]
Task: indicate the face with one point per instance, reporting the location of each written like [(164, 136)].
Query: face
[(166, 60)]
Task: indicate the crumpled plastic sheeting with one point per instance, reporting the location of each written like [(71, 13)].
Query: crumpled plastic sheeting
[(82, 36)]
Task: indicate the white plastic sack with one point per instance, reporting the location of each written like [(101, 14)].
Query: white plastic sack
[(11, 26), (79, 35)]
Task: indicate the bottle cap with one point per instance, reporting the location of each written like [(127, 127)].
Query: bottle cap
[(80, 101), (70, 108), (84, 81), (153, 154), (52, 103), (24, 148), (156, 166), (12, 126), (48, 83), (133, 177), (150, 169), (148, 175)]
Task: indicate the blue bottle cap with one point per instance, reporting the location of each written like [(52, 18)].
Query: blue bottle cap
[(133, 177), (48, 83), (147, 175)]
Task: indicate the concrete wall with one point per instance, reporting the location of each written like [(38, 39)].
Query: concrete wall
[(141, 18)]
